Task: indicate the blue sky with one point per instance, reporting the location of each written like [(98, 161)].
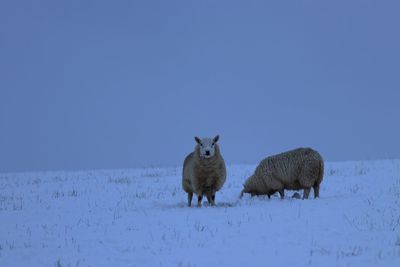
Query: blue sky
[(121, 84)]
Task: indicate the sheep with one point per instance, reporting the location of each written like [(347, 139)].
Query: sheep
[(301, 168), (204, 171)]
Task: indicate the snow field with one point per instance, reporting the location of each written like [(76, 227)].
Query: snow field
[(140, 218)]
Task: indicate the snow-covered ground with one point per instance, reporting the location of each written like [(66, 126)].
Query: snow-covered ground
[(140, 218)]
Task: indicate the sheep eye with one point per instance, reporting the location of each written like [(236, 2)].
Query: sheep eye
[(201, 144)]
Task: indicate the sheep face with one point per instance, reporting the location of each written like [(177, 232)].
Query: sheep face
[(207, 146)]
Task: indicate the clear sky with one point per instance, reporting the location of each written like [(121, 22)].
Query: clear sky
[(121, 84)]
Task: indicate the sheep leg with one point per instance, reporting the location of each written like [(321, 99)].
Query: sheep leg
[(190, 196), (211, 198), (208, 195), (199, 199), (316, 190), (306, 192), (282, 193)]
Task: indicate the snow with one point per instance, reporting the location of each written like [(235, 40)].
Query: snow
[(140, 218)]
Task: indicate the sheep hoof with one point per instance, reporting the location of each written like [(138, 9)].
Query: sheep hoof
[(296, 195)]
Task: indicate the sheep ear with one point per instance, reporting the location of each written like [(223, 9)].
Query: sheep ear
[(216, 139), (197, 140)]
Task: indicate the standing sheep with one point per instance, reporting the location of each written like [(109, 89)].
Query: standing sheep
[(204, 171), (297, 169)]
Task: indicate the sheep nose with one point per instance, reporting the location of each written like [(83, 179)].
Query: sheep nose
[(207, 153)]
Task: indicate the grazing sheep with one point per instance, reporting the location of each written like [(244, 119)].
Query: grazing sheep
[(204, 171), (297, 169)]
